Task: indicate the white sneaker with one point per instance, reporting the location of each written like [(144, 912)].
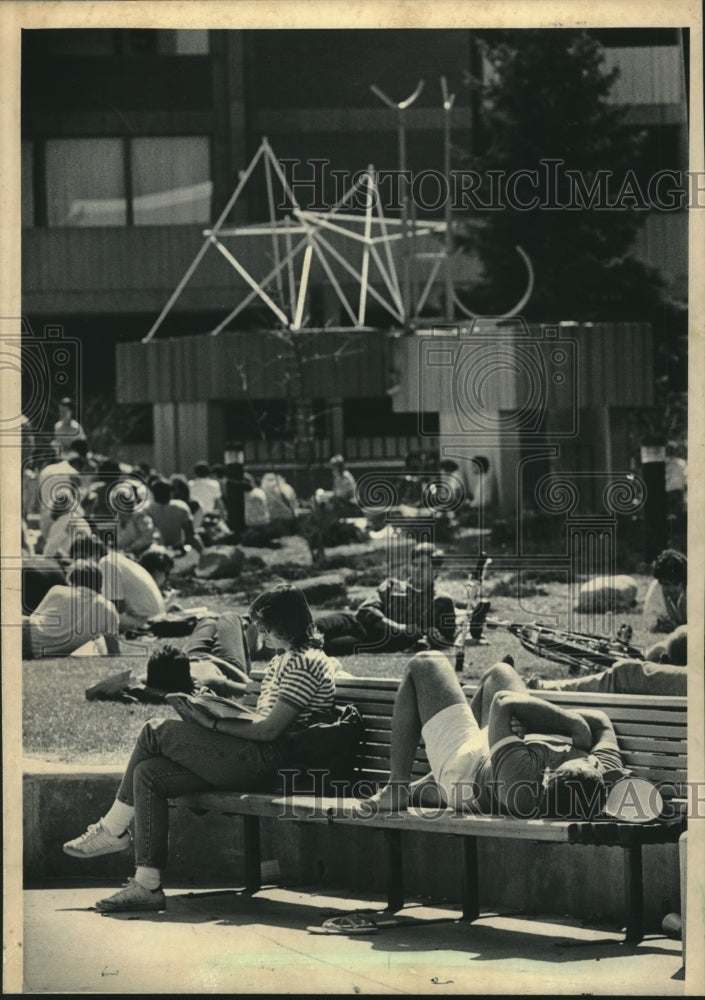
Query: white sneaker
[(95, 841), (133, 896)]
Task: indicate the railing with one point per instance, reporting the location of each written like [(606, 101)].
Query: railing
[(388, 448)]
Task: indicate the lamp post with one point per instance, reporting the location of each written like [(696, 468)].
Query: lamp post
[(653, 471), (404, 188), (448, 101), (234, 461)]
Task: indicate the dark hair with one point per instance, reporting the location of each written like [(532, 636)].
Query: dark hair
[(80, 446), (85, 547), (572, 793), (161, 491), (109, 468), (426, 549), (284, 610), (670, 566), (85, 574), (168, 669), (157, 559), (481, 463), (201, 469), (180, 488)]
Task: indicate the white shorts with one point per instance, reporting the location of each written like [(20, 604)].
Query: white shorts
[(456, 746)]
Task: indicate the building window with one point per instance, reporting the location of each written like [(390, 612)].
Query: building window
[(121, 42), (170, 181), (148, 181), (85, 182), (27, 185), (191, 43)]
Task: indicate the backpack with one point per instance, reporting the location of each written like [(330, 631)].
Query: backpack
[(331, 744)]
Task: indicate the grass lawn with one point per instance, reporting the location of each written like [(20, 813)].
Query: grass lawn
[(60, 725)]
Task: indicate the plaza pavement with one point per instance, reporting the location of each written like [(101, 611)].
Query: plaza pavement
[(217, 940)]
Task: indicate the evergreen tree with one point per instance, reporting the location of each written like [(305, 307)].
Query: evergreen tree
[(547, 100)]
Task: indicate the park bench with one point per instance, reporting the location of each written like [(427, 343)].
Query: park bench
[(652, 737)]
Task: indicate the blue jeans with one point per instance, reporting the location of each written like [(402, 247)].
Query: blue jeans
[(223, 637), (171, 758)]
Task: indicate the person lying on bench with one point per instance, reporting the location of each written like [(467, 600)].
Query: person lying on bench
[(488, 756), (174, 757)]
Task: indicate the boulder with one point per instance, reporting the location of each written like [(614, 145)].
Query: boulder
[(324, 589), (607, 593), (219, 562)]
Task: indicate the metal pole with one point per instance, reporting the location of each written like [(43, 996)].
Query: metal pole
[(404, 187), (448, 101)]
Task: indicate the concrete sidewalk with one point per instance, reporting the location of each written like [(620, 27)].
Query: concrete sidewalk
[(225, 941)]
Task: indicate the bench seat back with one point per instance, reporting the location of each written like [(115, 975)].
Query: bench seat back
[(651, 731)]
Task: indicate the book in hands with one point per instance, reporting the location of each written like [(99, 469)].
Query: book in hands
[(211, 705)]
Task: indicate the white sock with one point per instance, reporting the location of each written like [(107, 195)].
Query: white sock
[(148, 878), (118, 817)]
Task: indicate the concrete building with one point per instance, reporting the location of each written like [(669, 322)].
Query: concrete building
[(132, 143)]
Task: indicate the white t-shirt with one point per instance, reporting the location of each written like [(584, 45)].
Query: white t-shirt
[(64, 531), (256, 507), (52, 481), (125, 580), (68, 617), (206, 492), (658, 606)]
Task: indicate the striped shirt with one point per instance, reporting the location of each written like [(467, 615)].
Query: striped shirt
[(302, 678)]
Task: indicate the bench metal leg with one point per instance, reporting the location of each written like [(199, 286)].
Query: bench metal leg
[(394, 869), (253, 878), (634, 894), (470, 881)]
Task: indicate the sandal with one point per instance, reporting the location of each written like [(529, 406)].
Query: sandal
[(354, 923)]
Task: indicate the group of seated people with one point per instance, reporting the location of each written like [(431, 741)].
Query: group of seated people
[(97, 594), (73, 495), (506, 752)]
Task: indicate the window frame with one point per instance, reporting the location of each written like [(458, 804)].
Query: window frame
[(39, 177)]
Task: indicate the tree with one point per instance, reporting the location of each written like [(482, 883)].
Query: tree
[(547, 100)]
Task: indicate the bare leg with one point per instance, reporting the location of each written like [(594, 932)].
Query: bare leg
[(429, 685), (500, 677)]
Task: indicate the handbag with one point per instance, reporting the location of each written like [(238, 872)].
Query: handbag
[(330, 743)]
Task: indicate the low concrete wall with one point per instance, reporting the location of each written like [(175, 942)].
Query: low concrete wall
[(587, 882)]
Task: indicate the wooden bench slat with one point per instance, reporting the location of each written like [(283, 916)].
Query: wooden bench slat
[(675, 761), (651, 728), (650, 745)]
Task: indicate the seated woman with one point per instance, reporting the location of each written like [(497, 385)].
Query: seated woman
[(173, 757)]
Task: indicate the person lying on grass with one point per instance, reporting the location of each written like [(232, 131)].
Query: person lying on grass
[(488, 756), (176, 757)]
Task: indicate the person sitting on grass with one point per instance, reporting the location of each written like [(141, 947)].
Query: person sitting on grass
[(206, 491), (665, 603), (70, 616), (134, 528), (172, 518), (135, 588), (488, 756), (174, 757)]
